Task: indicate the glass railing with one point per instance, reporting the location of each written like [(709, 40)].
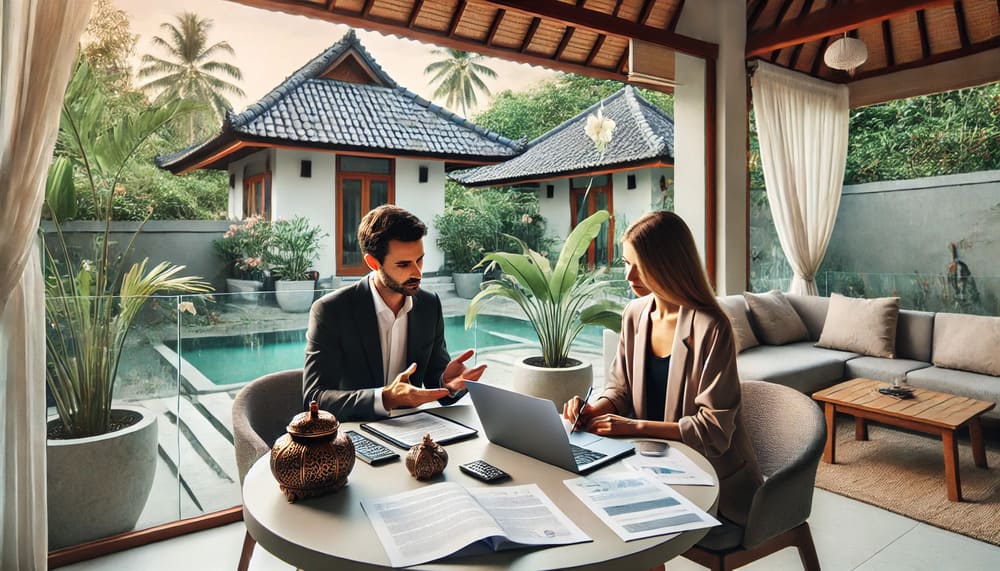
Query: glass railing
[(187, 357)]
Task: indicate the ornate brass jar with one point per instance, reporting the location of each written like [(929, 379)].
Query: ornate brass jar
[(313, 459)]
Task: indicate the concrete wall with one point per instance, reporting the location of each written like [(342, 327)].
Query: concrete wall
[(182, 242)]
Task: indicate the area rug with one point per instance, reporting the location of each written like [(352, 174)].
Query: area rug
[(903, 472)]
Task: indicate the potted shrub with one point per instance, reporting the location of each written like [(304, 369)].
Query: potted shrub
[(243, 247), (291, 251), (558, 303), (464, 235), (101, 455)]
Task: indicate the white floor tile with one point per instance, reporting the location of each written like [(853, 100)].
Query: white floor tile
[(927, 548)]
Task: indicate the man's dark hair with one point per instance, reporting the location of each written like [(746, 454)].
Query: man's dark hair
[(388, 222)]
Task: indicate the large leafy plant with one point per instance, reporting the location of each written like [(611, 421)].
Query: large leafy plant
[(292, 248), (91, 304), (558, 301)]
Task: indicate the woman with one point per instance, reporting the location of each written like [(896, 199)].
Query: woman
[(675, 373)]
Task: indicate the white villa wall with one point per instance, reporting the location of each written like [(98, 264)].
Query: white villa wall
[(425, 200), (315, 197)]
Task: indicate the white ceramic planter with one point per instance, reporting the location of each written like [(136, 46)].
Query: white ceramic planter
[(556, 385), (294, 296), (467, 284), (98, 485), (244, 290)]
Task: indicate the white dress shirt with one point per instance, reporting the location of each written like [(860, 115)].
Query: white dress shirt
[(392, 337)]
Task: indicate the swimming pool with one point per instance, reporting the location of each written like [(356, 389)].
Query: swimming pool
[(211, 363)]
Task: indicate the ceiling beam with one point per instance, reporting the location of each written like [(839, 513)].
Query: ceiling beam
[(456, 18), (391, 26), (830, 21), (890, 53), (925, 42), (414, 13), (570, 15)]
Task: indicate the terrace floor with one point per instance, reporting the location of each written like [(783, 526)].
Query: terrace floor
[(194, 437)]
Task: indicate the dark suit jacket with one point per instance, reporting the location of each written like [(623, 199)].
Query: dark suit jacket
[(344, 355), (703, 395)]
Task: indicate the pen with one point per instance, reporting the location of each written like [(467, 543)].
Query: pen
[(586, 399)]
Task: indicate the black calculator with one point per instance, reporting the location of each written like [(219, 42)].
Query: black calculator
[(370, 451), (484, 471)]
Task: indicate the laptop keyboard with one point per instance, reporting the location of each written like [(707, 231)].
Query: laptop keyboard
[(582, 456)]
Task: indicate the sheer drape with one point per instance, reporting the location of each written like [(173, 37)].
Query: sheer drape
[(38, 40), (802, 126)]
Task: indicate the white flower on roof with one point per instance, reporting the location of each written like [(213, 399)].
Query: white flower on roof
[(599, 128)]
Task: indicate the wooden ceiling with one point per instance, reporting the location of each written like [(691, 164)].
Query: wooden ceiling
[(592, 36)]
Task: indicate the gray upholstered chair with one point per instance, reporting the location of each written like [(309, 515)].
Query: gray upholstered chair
[(788, 431), (261, 411)]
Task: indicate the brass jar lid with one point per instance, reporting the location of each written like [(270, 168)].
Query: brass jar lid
[(314, 422)]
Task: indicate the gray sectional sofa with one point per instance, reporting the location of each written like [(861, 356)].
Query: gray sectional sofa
[(808, 368)]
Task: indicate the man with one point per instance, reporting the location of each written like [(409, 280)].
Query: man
[(378, 345)]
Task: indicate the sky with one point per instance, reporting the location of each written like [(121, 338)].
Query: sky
[(270, 46)]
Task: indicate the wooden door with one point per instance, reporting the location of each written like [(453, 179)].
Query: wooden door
[(363, 183), (600, 197)]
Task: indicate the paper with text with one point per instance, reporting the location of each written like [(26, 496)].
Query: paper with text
[(634, 505), (439, 520), (674, 467), (409, 429)]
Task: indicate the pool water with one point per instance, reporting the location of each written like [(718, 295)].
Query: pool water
[(236, 359)]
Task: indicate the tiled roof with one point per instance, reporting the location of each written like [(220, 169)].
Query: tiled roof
[(314, 111), (642, 133)]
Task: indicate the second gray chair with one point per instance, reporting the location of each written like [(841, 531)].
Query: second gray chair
[(787, 431), (261, 411)]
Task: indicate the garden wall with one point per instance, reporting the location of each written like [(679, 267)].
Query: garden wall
[(183, 242)]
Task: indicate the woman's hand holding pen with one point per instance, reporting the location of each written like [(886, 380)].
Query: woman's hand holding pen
[(572, 411)]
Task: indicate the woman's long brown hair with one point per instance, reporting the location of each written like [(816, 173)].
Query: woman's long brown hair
[(669, 260)]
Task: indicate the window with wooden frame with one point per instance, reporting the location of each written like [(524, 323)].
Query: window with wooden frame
[(363, 183), (600, 197), (257, 196)]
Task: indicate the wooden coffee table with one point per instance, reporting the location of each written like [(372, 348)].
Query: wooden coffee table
[(928, 411)]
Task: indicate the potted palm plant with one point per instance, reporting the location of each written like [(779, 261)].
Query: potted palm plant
[(291, 251), (101, 454), (558, 303), (242, 247)]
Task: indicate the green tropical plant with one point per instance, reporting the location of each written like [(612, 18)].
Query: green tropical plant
[(189, 70), (459, 76), (560, 301), (243, 247), (293, 247), (91, 304)]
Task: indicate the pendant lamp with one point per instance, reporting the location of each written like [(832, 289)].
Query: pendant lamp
[(846, 54)]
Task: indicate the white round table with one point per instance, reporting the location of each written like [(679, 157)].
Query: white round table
[(333, 532)]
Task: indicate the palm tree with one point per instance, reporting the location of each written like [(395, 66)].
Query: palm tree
[(460, 76), (188, 71)]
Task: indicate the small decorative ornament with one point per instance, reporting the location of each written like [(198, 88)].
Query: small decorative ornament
[(313, 458), (427, 459)]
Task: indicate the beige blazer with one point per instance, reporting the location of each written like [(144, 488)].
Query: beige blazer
[(703, 395)]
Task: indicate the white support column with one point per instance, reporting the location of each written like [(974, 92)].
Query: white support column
[(722, 22)]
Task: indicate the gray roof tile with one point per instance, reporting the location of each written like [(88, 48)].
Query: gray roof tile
[(642, 133)]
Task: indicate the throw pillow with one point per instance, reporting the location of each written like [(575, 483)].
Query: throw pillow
[(866, 326), (967, 342), (735, 308), (777, 321)]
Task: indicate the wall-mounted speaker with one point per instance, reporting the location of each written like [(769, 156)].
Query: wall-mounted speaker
[(422, 174), (631, 181), (232, 180), (306, 169), (550, 191)]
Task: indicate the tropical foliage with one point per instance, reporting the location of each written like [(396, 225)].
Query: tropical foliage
[(243, 246), (190, 70), (558, 301), (293, 248), (459, 77), (91, 304)]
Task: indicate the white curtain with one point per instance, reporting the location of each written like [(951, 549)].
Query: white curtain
[(802, 126), (38, 40)]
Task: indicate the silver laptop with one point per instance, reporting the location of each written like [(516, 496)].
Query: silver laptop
[(534, 427)]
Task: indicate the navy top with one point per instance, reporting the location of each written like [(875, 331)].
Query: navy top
[(656, 385)]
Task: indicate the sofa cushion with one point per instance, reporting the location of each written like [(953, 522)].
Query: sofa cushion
[(736, 308), (812, 309), (967, 342), (775, 319), (963, 383), (914, 333), (799, 365), (881, 369), (866, 326)]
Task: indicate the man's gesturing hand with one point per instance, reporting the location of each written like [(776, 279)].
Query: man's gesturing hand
[(455, 374), (400, 393)]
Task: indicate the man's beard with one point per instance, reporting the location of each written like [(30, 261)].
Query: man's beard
[(409, 287)]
